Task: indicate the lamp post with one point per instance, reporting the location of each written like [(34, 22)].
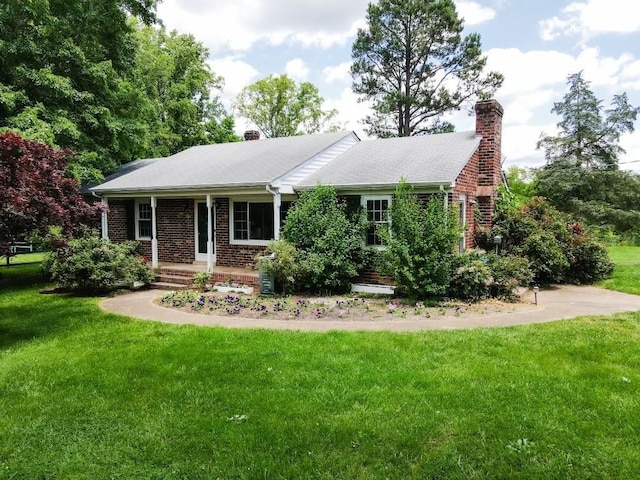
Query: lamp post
[(536, 289), (497, 240)]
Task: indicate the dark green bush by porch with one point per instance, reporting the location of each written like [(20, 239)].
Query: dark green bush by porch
[(330, 247), (91, 264)]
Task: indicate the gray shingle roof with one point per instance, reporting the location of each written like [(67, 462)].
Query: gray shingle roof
[(429, 159), (222, 165)]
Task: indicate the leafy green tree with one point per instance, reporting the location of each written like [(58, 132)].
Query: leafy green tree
[(179, 109), (330, 247), (413, 63), (521, 183), (282, 108), (582, 175), (87, 76), (420, 245), (60, 77)]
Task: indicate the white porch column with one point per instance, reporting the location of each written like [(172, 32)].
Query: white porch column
[(154, 234), (277, 202), (209, 234), (105, 219)]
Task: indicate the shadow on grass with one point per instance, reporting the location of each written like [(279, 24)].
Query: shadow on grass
[(30, 310)]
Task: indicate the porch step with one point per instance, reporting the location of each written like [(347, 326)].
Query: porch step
[(174, 278), (168, 286)]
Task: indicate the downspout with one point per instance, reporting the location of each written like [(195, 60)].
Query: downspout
[(277, 201)]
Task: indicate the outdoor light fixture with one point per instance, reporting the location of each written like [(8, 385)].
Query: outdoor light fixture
[(497, 240), (536, 289)]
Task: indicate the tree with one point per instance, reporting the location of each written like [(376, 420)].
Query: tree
[(582, 174), (96, 78), (36, 193), (412, 62), (588, 135), (61, 68), (419, 247), (281, 108), (521, 183), (180, 111), (329, 245)]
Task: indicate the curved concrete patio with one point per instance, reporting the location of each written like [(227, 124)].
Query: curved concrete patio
[(556, 303)]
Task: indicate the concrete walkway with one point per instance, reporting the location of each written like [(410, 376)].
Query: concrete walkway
[(557, 303)]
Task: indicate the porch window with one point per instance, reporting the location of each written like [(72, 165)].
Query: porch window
[(143, 220), (377, 209), (253, 221)]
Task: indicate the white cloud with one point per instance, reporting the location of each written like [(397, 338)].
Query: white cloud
[(240, 24), (350, 111), (590, 18), (297, 69), (236, 74), (474, 13), (337, 73)]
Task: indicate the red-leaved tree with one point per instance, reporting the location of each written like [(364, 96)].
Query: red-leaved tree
[(36, 193)]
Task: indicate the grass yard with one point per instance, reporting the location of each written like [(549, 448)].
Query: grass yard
[(85, 394), (626, 275)]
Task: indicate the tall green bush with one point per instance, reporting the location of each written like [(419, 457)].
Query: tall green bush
[(420, 245), (329, 245), (557, 247), (92, 264)]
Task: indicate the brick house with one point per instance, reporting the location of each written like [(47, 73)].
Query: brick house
[(222, 204)]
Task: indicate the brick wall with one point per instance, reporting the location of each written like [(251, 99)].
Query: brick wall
[(175, 225), (231, 255), (117, 221), (467, 184), (176, 230)]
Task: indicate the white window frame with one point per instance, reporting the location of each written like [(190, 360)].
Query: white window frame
[(249, 241), (138, 203), (363, 202)]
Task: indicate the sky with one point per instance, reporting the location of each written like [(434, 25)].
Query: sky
[(535, 44)]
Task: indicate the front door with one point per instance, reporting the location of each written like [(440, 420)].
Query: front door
[(201, 231)]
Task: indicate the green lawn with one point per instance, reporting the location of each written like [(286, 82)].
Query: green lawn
[(85, 394), (626, 275)]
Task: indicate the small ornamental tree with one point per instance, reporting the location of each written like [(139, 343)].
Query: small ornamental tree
[(420, 245), (36, 193), (329, 245)]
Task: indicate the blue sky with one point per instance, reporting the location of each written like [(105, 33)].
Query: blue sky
[(535, 44)]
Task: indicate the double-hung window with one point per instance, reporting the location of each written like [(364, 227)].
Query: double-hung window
[(377, 209), (252, 222), (143, 220)]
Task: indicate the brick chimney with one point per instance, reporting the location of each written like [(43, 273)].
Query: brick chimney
[(252, 135), (489, 127)]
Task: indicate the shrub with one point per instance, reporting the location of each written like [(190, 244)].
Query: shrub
[(329, 245), (419, 247), (280, 262), (509, 272), (91, 264), (558, 249), (478, 275), (589, 261), (200, 280), (471, 276)]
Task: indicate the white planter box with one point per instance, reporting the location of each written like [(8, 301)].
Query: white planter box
[(221, 289)]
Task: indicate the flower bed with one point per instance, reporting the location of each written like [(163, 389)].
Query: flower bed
[(329, 308)]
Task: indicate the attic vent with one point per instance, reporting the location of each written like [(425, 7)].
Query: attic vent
[(252, 135)]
